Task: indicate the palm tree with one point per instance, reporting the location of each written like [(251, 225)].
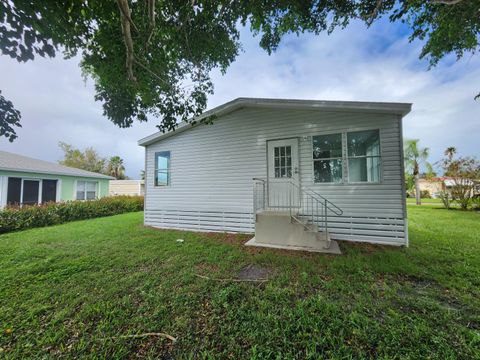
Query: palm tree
[(115, 167), (415, 156), (449, 152)]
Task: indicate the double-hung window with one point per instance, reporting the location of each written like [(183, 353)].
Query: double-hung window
[(162, 168), (363, 156), (327, 158), (86, 190), (347, 157)]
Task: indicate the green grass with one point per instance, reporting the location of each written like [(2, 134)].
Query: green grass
[(425, 201), (71, 290)]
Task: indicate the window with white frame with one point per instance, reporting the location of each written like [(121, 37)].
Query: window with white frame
[(355, 153), (162, 168), (86, 190), (327, 158), (363, 149)]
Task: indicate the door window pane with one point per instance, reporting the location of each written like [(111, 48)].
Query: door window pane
[(49, 190), (283, 161), (30, 192), (329, 171)]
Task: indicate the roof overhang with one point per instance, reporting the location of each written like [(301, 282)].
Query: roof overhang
[(59, 173), (400, 109)]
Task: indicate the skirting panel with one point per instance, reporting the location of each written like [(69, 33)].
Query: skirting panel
[(201, 220), (378, 230)]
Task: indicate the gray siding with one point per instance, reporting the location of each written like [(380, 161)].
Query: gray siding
[(212, 167)]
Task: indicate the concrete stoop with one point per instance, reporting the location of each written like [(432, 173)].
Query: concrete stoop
[(277, 230)]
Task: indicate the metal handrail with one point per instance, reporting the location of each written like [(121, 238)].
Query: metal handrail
[(314, 206)]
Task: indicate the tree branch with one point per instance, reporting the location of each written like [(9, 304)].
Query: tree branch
[(127, 37), (446, 2), (151, 19)]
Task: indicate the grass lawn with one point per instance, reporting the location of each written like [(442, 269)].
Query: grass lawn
[(427, 201), (73, 290)]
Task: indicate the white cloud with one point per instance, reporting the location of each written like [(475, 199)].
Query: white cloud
[(354, 64)]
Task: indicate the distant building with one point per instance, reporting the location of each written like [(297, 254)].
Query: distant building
[(438, 184), (28, 181), (127, 187)]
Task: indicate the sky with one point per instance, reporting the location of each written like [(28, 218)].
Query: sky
[(360, 64)]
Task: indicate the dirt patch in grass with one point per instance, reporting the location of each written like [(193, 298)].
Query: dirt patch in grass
[(253, 272), (363, 248)]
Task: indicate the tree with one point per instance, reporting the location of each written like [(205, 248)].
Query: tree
[(415, 157), (464, 172), (115, 168), (9, 117), (154, 57), (88, 159)]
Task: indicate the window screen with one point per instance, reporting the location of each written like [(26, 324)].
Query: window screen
[(49, 190), (13, 191), (30, 192)]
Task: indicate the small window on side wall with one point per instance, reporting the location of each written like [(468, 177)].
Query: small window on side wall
[(86, 190), (162, 168)]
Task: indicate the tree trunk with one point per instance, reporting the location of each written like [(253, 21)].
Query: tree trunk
[(417, 190)]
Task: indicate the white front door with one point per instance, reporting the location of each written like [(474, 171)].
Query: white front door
[(283, 173)]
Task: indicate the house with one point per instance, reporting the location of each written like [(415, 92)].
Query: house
[(299, 173), (126, 187), (436, 185), (28, 181)]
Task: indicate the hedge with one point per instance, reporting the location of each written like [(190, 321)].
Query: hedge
[(26, 217)]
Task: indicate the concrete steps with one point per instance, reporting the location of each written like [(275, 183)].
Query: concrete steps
[(283, 231)]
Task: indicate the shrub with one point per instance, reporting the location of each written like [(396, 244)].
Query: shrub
[(26, 217), (425, 194), (446, 199)]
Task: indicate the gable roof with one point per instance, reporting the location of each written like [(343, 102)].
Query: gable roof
[(15, 162), (401, 109)]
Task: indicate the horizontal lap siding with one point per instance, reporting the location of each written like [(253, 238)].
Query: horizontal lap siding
[(212, 167)]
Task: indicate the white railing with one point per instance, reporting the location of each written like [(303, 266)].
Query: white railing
[(304, 205)]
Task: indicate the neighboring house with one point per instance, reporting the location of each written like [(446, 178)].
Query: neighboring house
[(445, 183), (434, 186), (286, 162), (126, 187), (24, 180)]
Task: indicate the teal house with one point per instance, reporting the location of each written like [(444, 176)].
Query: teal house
[(28, 181)]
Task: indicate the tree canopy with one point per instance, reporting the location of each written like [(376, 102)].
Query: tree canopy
[(154, 58)]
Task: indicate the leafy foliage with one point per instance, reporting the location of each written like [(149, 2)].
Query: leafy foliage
[(9, 117), (153, 58), (88, 159), (26, 217), (465, 173)]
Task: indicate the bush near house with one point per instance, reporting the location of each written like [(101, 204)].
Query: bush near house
[(21, 218)]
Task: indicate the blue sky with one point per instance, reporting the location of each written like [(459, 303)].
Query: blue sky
[(375, 64)]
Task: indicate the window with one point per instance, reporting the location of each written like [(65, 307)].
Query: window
[(355, 153), (283, 161), (363, 156), (162, 168), (22, 191), (327, 158), (49, 190), (30, 192), (14, 191), (86, 190)]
